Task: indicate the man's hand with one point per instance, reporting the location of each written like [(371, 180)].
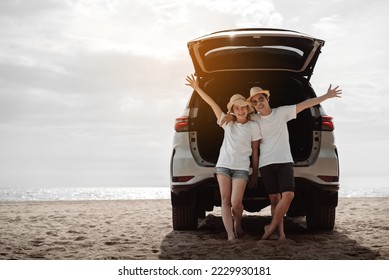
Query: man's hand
[(253, 180), (227, 119), (331, 92), (335, 92)]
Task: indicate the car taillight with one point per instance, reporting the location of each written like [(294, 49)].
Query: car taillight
[(329, 178), (181, 179), (327, 124), (182, 124)]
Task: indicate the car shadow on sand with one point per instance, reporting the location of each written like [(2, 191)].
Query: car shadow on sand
[(209, 241)]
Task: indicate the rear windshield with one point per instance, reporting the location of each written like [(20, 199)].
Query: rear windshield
[(255, 53)]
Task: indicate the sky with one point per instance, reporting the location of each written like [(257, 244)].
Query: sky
[(89, 90)]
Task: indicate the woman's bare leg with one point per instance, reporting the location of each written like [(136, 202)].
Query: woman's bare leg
[(238, 188), (225, 186)]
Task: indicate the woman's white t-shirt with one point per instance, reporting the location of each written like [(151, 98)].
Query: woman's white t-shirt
[(236, 149), (275, 147)]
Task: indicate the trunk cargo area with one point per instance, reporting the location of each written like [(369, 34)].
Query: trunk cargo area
[(284, 91)]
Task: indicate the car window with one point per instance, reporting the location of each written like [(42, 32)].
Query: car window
[(249, 52), (254, 57)]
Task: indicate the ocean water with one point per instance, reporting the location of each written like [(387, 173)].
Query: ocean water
[(87, 193), (349, 189), (364, 186)]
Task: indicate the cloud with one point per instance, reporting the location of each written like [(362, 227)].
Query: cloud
[(80, 87), (93, 87), (30, 9), (329, 27), (353, 57)]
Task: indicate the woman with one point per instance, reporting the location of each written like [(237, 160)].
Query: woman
[(241, 140)]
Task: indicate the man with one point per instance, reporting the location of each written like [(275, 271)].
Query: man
[(275, 160)]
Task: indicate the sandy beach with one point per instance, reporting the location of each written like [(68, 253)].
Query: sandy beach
[(141, 229)]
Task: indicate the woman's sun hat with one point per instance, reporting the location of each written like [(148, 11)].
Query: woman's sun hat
[(238, 100), (257, 90)]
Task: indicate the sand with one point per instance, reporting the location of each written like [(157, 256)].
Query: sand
[(142, 229)]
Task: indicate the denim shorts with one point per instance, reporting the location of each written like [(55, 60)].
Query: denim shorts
[(233, 173)]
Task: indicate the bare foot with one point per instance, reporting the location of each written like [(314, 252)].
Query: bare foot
[(238, 229), (231, 236), (239, 233), (282, 237), (267, 233)]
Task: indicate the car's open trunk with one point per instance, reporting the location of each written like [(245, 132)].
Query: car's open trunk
[(284, 89)]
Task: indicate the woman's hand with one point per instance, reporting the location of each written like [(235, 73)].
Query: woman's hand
[(192, 82)]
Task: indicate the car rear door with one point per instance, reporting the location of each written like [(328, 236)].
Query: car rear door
[(255, 50)]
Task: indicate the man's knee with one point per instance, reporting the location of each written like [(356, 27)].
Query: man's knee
[(288, 195), (274, 198)]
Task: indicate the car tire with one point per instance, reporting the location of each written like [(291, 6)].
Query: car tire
[(321, 218), (297, 207), (184, 218)]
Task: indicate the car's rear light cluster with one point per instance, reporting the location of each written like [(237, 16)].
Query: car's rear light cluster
[(181, 179), (182, 124), (329, 179), (327, 124)]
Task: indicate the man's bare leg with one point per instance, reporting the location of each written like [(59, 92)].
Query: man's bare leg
[(279, 213)]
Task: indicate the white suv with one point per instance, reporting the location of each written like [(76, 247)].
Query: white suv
[(233, 61)]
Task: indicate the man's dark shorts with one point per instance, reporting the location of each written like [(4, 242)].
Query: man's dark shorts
[(278, 178)]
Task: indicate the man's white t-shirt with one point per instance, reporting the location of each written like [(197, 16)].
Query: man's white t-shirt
[(236, 149), (275, 147)]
